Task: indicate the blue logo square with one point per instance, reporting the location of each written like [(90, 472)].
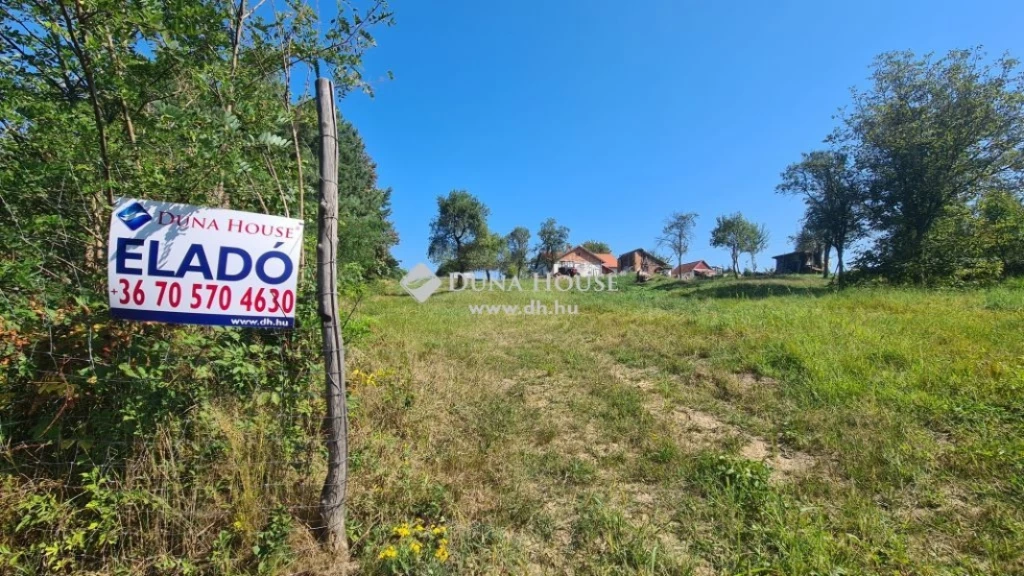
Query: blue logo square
[(134, 216)]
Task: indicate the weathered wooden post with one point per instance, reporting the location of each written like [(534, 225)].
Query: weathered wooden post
[(332, 498)]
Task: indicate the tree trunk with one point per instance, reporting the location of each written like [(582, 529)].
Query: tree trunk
[(332, 498), (824, 260), (839, 266)]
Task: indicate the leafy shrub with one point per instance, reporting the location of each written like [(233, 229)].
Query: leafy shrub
[(741, 481)]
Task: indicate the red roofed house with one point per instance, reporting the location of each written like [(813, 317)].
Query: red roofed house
[(691, 270), (586, 263)]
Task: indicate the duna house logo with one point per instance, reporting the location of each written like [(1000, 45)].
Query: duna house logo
[(420, 282), (134, 216)]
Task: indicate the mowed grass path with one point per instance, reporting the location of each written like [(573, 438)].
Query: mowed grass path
[(735, 427)]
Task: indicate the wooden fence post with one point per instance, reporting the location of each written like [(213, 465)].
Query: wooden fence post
[(332, 498)]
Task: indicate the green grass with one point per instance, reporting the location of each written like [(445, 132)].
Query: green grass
[(756, 426)]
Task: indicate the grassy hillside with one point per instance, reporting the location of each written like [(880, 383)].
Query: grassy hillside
[(753, 426), (771, 426)]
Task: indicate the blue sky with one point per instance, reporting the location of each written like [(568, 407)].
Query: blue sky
[(608, 116)]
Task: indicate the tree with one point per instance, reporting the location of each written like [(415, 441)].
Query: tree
[(809, 240), (597, 247), (365, 233), (1002, 223), (660, 258), (487, 253), (834, 198), (676, 234), (806, 240), (554, 240), (737, 234), (461, 219), (932, 134), (518, 247), (755, 242), (195, 104)]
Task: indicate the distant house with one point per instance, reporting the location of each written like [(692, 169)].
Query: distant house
[(640, 260), (691, 270), (799, 262), (583, 262)]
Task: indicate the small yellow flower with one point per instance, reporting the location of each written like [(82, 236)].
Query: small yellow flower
[(441, 554), (439, 530), (387, 553), (419, 528), (415, 547), (402, 531)]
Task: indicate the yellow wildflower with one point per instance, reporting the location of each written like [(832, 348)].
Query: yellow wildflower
[(420, 528), (387, 553), (402, 531), (439, 530), (415, 547), (441, 554)]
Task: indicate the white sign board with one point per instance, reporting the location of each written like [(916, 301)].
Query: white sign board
[(191, 265)]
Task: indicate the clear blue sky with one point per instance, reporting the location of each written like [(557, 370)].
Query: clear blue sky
[(608, 116)]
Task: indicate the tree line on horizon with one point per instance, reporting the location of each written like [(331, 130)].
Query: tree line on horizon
[(461, 240), (924, 176)]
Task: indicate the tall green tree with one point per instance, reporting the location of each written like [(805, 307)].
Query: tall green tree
[(365, 232), (735, 233), (834, 198), (932, 134), (597, 247), (677, 233), (488, 252), (518, 247), (461, 220), (553, 241), (756, 242)]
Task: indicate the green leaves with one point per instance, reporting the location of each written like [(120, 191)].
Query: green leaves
[(273, 140), (553, 241), (932, 134), (461, 220), (739, 235)]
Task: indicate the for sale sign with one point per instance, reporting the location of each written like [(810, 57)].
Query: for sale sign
[(192, 265)]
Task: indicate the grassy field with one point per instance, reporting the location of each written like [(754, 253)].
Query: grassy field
[(734, 427)]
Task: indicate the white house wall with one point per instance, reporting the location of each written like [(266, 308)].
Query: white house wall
[(584, 268)]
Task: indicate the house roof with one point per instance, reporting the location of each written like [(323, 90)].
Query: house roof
[(595, 258), (690, 267), (608, 260), (794, 253)]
